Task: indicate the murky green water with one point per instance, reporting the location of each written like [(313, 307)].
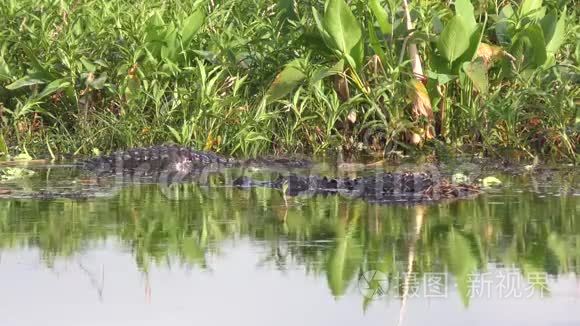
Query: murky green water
[(225, 256)]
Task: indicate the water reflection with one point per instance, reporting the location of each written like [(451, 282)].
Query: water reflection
[(358, 253)]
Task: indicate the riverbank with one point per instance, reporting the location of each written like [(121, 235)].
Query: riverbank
[(281, 77)]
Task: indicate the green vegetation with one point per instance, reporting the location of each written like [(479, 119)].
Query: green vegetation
[(250, 77), (332, 236)]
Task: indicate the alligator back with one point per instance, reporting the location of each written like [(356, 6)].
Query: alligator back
[(155, 159)]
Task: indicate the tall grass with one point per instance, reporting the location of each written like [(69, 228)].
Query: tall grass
[(250, 77)]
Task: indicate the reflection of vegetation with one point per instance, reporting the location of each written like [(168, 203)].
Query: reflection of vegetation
[(329, 235), (14, 173)]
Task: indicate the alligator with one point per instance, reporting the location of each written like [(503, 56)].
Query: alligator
[(176, 164), (383, 187), (178, 159)]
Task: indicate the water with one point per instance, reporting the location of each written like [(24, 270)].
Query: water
[(224, 256)]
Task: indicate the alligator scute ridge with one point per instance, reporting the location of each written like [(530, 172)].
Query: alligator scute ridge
[(177, 158)]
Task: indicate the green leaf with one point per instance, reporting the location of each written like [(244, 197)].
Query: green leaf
[(550, 61), (532, 9), (357, 54), (99, 83), (175, 134), (40, 72), (477, 73), (53, 87), (470, 53), (502, 27), (443, 79), (381, 16), (327, 72), (437, 25), (155, 33), (342, 26), (530, 44), (287, 10), (317, 43), (157, 19), (290, 77), (554, 30), (440, 65), (577, 52), (102, 63), (25, 81), (169, 50), (454, 40), (464, 9), (376, 45), (89, 66), (191, 25), (322, 30), (5, 73), (491, 181)]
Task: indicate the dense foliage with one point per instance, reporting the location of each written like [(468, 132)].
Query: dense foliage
[(247, 77)]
